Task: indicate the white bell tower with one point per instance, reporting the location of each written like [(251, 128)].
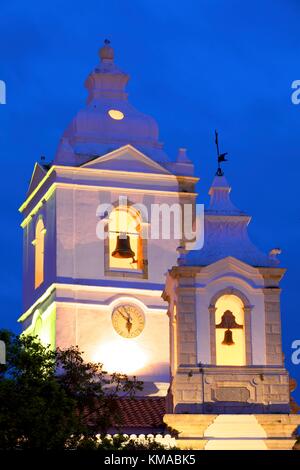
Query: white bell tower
[(104, 295), (229, 387)]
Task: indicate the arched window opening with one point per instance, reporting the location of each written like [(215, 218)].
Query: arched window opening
[(125, 242), (230, 331), (39, 244)]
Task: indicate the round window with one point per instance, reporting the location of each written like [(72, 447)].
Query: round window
[(116, 114)]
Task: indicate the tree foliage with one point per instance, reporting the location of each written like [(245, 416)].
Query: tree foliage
[(54, 399)]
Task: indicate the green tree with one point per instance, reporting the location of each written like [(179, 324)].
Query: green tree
[(93, 390), (54, 399)]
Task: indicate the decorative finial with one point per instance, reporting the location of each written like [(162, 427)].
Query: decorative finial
[(106, 52), (182, 156), (221, 156), (274, 253)]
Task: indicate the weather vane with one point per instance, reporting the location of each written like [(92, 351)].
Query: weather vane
[(221, 156)]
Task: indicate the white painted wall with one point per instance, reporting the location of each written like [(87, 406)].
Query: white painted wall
[(80, 253), (90, 327), (74, 256)]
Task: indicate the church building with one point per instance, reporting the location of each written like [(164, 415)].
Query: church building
[(201, 328)]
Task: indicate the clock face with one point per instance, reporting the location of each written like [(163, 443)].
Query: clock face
[(128, 321)]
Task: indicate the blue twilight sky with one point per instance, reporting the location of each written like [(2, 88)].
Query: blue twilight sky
[(195, 66)]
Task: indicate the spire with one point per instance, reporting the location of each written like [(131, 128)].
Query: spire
[(106, 81), (108, 121), (106, 52), (226, 232), (220, 201)]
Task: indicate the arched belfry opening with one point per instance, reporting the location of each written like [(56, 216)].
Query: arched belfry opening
[(230, 314), (125, 239), (230, 331)]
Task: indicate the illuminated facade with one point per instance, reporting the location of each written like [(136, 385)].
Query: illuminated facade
[(208, 335), (229, 292), (74, 281), (229, 387)]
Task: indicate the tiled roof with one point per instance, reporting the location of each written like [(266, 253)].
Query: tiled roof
[(142, 412)]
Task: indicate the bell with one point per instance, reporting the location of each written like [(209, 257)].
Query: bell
[(228, 321), (228, 338), (123, 249)]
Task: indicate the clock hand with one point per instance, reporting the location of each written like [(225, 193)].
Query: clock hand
[(128, 314), (128, 325), (122, 314), (128, 317), (129, 320)]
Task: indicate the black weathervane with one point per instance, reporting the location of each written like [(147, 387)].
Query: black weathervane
[(221, 156)]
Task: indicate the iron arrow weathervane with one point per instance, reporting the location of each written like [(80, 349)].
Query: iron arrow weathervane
[(221, 156)]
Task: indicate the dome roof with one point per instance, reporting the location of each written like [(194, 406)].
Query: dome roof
[(226, 233), (108, 121)]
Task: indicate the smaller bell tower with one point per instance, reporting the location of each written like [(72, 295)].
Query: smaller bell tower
[(227, 373)]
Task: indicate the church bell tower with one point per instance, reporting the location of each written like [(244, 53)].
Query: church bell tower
[(92, 277), (229, 387)]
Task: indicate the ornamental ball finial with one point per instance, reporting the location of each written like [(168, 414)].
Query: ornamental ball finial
[(106, 52)]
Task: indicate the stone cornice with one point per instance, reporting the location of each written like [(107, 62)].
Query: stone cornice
[(236, 370), (272, 273), (55, 288), (91, 187)]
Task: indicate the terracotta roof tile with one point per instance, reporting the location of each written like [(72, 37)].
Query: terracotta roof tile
[(143, 412)]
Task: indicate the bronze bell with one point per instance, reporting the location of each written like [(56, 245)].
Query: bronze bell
[(228, 340), (123, 249), (228, 321)]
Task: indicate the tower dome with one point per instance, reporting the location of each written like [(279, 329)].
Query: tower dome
[(226, 232), (108, 121)]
